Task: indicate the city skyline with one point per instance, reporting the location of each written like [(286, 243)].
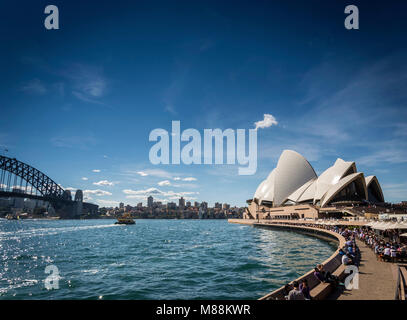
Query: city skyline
[(187, 204), (79, 103)]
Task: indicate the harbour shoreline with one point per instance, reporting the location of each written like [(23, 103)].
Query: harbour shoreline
[(320, 233)]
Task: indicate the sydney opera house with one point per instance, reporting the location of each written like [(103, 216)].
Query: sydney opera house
[(293, 190)]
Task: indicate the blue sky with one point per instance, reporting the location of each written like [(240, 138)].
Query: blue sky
[(85, 97)]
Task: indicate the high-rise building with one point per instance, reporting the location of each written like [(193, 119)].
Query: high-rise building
[(150, 201), (139, 205), (181, 203), (196, 204), (171, 205), (121, 205), (188, 204)]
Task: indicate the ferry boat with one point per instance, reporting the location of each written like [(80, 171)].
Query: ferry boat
[(125, 219)]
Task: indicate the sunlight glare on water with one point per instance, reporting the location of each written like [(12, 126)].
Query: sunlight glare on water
[(154, 259)]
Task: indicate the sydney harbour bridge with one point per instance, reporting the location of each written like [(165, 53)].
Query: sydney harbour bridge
[(20, 180)]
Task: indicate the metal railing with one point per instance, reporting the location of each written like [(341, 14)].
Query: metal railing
[(401, 289)]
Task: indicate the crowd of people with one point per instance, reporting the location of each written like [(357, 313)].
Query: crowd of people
[(385, 248), (349, 255)]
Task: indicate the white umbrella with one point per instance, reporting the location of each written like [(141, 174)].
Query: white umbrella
[(380, 226), (403, 235), (389, 226), (375, 225), (398, 225)]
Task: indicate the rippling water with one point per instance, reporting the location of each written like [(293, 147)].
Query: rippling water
[(154, 259)]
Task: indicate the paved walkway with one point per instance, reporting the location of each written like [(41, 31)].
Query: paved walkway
[(377, 280)]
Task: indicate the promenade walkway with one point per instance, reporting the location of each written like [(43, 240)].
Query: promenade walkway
[(377, 279)]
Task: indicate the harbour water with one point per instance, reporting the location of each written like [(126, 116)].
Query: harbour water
[(154, 259)]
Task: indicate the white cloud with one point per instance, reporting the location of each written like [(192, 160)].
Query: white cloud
[(142, 192), (268, 121), (104, 183), (88, 83), (22, 188), (84, 98), (164, 183), (177, 178), (109, 203), (84, 178), (396, 191), (189, 179), (151, 172), (157, 193), (34, 86), (97, 192), (96, 170)]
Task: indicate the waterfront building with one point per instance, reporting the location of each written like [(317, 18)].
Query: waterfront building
[(181, 203), (150, 201), (293, 190), (171, 205)]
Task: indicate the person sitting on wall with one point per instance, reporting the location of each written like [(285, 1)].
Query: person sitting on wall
[(325, 276), (347, 259), (305, 289), (352, 252), (296, 293), (286, 290)]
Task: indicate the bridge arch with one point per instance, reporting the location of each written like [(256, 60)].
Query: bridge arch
[(45, 186)]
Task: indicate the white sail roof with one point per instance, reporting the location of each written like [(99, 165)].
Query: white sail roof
[(292, 171), (372, 182), (297, 194), (295, 180), (309, 194), (268, 194), (332, 175), (336, 188), (260, 190)]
